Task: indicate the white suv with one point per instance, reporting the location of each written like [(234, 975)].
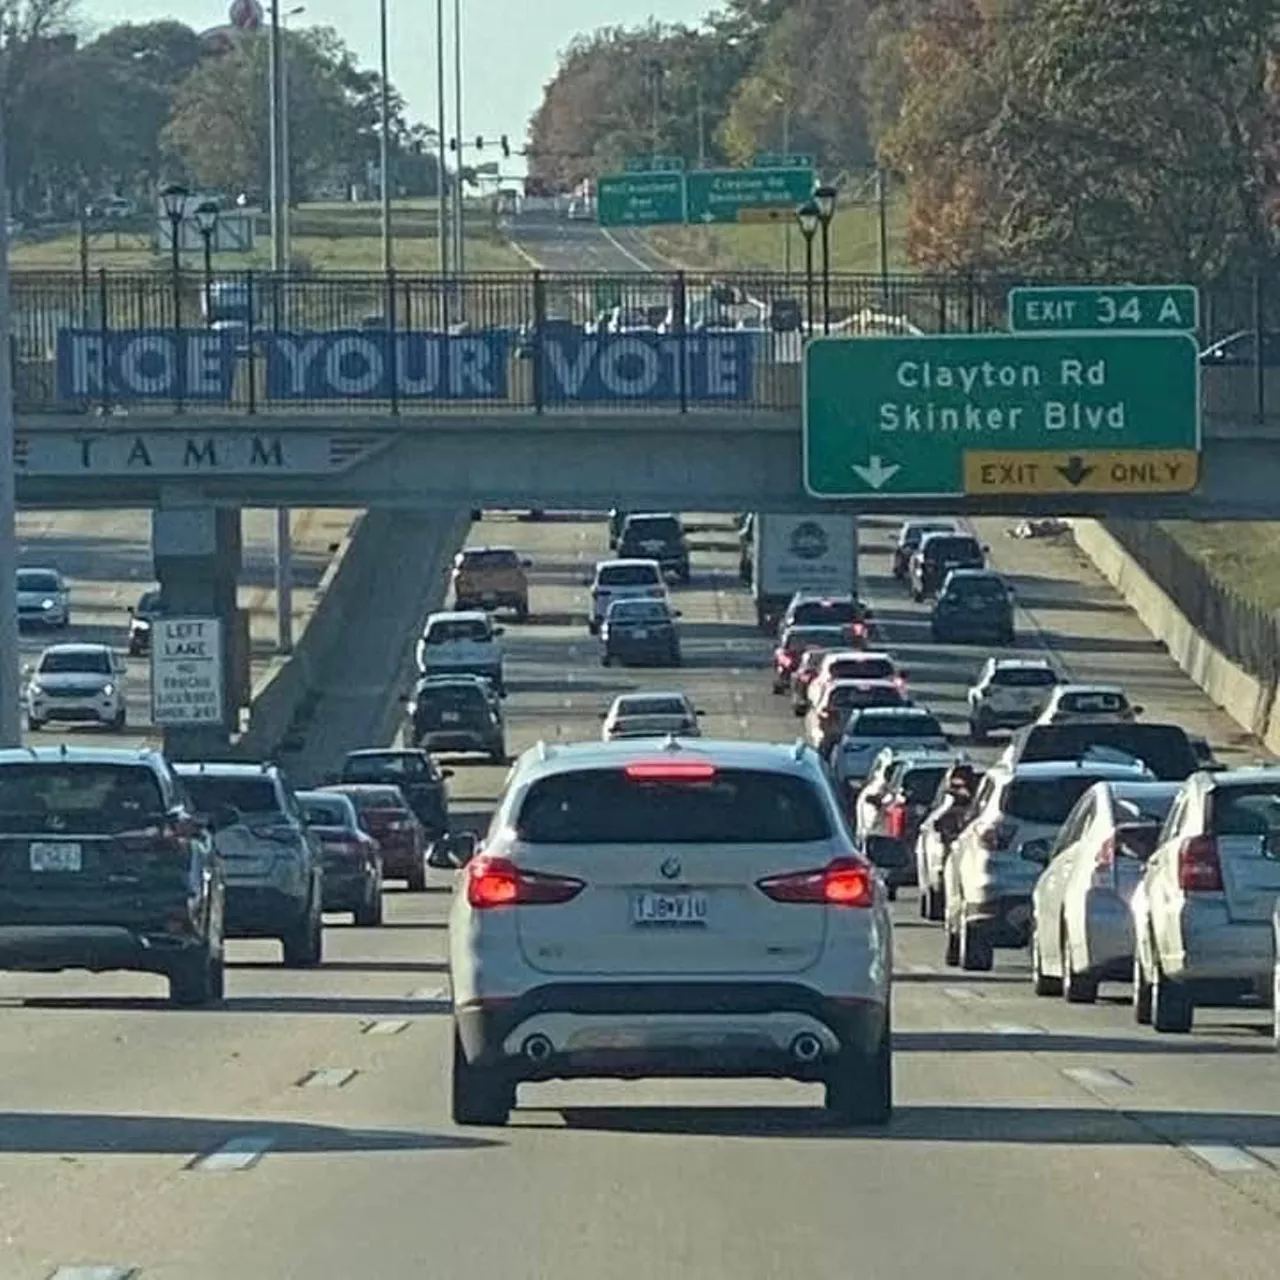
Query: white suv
[(647, 909), (1009, 693), (623, 580), (79, 683), (462, 642)]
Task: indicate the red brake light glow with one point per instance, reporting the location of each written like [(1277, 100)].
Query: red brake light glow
[(1199, 868), (843, 882), (670, 771), (498, 882), (895, 820)]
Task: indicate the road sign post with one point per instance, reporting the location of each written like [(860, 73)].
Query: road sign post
[(640, 199), (1172, 308), (720, 195), (187, 672), (952, 414)]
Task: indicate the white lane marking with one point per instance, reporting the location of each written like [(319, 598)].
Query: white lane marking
[(385, 1027), (429, 993), (644, 266), (962, 993), (1224, 1158), (1097, 1077), (235, 1153), (95, 1271), (918, 968), (327, 1078), (1017, 1029)]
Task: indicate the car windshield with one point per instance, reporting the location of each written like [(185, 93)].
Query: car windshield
[(861, 695), (1246, 810), (861, 669), (246, 795), (1023, 677), (917, 726), (826, 612), (732, 806), (664, 528), (940, 547), (90, 661), (639, 611), (797, 639), (1046, 801), (1090, 702), (74, 798), (391, 765), (629, 575), (449, 630), (653, 705), (491, 558), (37, 580), (331, 811)]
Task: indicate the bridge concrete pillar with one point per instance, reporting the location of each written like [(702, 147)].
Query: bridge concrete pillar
[(196, 550)]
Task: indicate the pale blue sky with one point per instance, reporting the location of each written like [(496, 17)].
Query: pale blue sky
[(510, 46)]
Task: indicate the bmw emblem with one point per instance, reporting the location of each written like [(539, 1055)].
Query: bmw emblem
[(671, 869)]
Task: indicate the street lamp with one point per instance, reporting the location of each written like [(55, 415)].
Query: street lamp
[(808, 215), (785, 104), (825, 198), (207, 224), (286, 157), (174, 197)]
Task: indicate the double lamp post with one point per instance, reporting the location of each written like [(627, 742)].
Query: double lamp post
[(816, 214)]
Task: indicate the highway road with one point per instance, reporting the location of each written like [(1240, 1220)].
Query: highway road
[(106, 555), (302, 1129)]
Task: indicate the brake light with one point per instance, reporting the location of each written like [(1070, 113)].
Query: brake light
[(843, 882), (895, 820), (784, 658), (498, 882), (1104, 864), (857, 629), (1199, 868), (670, 771)]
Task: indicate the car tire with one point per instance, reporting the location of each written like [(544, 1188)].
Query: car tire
[(606, 659), (119, 721), (368, 915), (522, 612), (917, 595), (1008, 637), (976, 952), (1172, 1009), (593, 627), (1141, 994), (932, 903), (977, 730), (684, 576), (950, 945), (196, 980), (498, 755), (304, 944), (478, 1095), (859, 1087), (1077, 987), (674, 659), (1043, 984), (34, 725)]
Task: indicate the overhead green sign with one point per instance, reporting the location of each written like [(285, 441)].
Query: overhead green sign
[(640, 199), (718, 195), (1122, 308), (654, 164), (783, 160), (944, 415)]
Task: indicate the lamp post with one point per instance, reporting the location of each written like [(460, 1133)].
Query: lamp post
[(207, 225), (286, 155), (785, 104), (808, 215), (384, 143), (442, 156), (825, 198), (275, 124), (10, 682), (174, 197)]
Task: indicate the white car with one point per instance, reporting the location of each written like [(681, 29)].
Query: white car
[(649, 715), (77, 684), (623, 580), (909, 730), (1009, 693), (1069, 703), (689, 909), (44, 599), (854, 664), (462, 642), (1202, 916)]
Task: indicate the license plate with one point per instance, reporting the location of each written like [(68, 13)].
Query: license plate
[(669, 908), (450, 717), (55, 855), (640, 633)]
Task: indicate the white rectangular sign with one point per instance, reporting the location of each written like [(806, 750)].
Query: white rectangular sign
[(186, 671)]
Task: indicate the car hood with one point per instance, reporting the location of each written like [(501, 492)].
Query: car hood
[(71, 679)]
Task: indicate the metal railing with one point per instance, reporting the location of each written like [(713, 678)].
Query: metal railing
[(537, 342)]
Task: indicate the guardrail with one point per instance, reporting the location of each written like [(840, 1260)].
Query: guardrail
[(541, 342)]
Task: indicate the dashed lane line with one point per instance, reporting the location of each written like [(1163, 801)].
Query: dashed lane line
[(235, 1154), (327, 1078), (385, 1027)]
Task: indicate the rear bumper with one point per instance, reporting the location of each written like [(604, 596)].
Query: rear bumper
[(635, 1030), (456, 740), (98, 948), (642, 650), (1222, 953), (962, 627), (260, 911)]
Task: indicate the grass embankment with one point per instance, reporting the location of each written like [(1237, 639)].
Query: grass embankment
[(325, 237), (1244, 556)]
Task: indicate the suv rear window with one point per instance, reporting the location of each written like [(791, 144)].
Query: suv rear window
[(1085, 703), (1245, 811), (919, 786), (874, 726), (826, 612), (797, 639), (736, 806), (665, 527), (946, 548), (1023, 677), (247, 795), (861, 669), (629, 575), (490, 559), (451, 629), (359, 768), (325, 813), (90, 799), (1163, 748), (978, 588), (1045, 800), (852, 695)]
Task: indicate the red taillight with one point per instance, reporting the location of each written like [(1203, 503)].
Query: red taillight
[(1104, 864), (670, 771), (843, 882), (900, 681), (1199, 869), (784, 658), (895, 819), (857, 630), (498, 882)]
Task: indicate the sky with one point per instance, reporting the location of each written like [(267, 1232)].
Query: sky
[(510, 47)]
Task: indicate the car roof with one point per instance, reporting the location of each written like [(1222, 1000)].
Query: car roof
[(975, 573), (935, 524), (645, 560), (386, 753), (867, 655), (65, 754), (1049, 769), (1247, 775), (359, 788), (1124, 789), (1039, 664), (948, 533), (927, 759), (824, 597), (466, 551), (320, 793), (919, 712), (851, 682), (652, 515), (39, 568), (77, 646), (546, 759), (1089, 688), (225, 769), (458, 615), (640, 694)]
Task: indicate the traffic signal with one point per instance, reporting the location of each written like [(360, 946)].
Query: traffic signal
[(506, 147)]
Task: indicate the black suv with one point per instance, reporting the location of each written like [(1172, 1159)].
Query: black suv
[(457, 713), (420, 779), (656, 536), (938, 554), (104, 866), (974, 604)]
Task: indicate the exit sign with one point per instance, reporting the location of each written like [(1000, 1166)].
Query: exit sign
[(1138, 308)]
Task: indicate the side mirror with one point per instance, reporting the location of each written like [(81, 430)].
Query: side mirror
[(604, 715), (453, 851), (129, 610), (699, 713), (1036, 851), (677, 613), (28, 669), (986, 550)]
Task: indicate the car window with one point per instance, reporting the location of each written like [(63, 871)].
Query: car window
[(357, 768), (870, 725), (1245, 811), (1163, 748), (861, 669), (1044, 800), (1023, 677), (248, 795), (37, 580), (639, 611), (628, 575), (797, 639), (1084, 703), (654, 705), (90, 799), (490, 559), (919, 785), (829, 612), (852, 695), (58, 661), (331, 812), (912, 534), (978, 588), (941, 547), (733, 806), (665, 527), (449, 630), (450, 697)]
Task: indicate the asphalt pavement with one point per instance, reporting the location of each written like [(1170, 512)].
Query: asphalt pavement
[(302, 1129)]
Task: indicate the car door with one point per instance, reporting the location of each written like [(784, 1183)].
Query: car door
[(872, 796), (1055, 880)]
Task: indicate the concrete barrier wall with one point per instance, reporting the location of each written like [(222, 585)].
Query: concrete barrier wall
[(1249, 701)]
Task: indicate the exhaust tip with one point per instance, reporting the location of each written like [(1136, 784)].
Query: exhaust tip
[(537, 1049), (806, 1047)]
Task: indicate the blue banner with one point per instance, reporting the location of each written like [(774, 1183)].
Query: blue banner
[(145, 364), (646, 367)]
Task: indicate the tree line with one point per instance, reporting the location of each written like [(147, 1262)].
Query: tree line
[(141, 105), (1083, 138)]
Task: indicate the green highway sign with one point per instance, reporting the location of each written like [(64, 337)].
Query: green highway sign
[(784, 160), (640, 199), (654, 164), (717, 195), (1114, 309), (946, 415)]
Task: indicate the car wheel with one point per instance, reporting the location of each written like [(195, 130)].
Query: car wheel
[(368, 915), (120, 720), (479, 1095), (932, 903), (976, 953), (1043, 984), (416, 880), (892, 891), (522, 611), (1141, 994), (498, 755), (304, 944), (34, 725), (593, 627), (673, 659), (606, 659), (1077, 988), (1172, 1009), (859, 1088), (196, 980), (951, 945), (977, 731)]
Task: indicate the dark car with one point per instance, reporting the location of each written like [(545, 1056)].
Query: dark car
[(1164, 748), (795, 643), (940, 553), (909, 538), (845, 611), (105, 866), (458, 714), (420, 779), (973, 605), (640, 631), (352, 858), (656, 536), (384, 813), (149, 607)]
